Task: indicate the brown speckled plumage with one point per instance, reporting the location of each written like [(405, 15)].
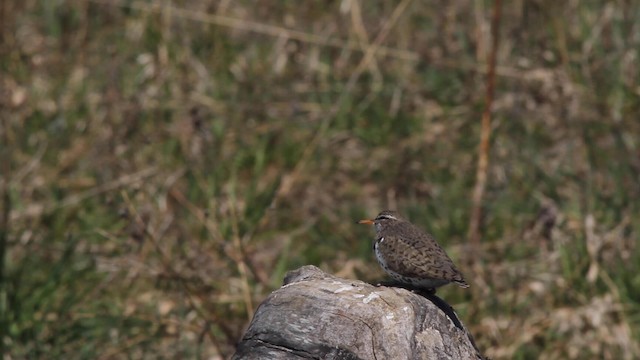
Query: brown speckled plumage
[(410, 255)]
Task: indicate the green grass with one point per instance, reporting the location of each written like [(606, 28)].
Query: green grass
[(164, 172)]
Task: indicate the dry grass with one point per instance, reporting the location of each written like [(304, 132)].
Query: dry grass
[(165, 163)]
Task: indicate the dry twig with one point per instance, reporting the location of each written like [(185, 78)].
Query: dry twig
[(483, 150)]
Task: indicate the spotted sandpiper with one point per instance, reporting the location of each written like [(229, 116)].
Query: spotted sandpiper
[(411, 256)]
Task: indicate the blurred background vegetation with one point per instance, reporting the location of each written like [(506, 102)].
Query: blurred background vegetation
[(164, 163)]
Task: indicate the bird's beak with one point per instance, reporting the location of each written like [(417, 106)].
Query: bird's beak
[(366, 221)]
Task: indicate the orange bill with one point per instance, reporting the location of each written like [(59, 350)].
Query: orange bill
[(366, 221)]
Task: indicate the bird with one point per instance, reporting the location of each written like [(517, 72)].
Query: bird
[(410, 256)]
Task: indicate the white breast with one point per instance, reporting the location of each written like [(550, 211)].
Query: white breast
[(379, 257)]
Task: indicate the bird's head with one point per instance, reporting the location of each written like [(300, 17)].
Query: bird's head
[(385, 219)]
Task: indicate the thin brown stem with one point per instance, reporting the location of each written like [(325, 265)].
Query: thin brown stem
[(485, 134)]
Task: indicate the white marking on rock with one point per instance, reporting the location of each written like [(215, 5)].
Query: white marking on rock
[(390, 316), (344, 288), (370, 298)]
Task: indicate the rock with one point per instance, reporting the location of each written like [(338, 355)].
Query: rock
[(315, 315)]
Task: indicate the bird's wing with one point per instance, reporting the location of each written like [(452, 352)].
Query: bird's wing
[(424, 258)]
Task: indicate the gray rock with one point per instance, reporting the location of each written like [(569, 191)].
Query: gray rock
[(315, 315)]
